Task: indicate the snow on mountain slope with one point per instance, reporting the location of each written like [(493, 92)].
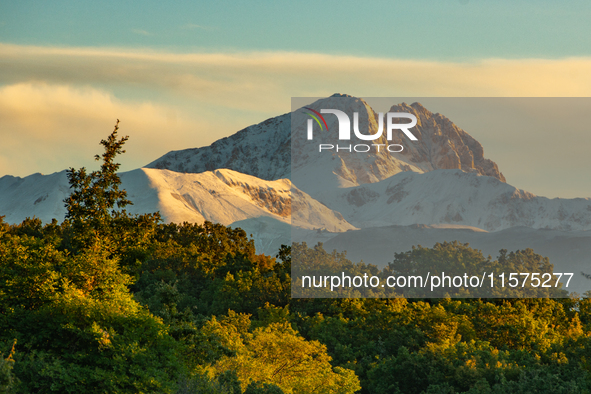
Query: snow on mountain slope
[(221, 196), (36, 195), (454, 197), (225, 196)]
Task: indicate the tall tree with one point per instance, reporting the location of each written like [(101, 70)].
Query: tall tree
[(96, 210), (95, 195)]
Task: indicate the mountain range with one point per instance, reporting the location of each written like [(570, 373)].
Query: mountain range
[(440, 187)]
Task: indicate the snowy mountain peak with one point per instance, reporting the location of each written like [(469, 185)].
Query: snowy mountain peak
[(263, 150)]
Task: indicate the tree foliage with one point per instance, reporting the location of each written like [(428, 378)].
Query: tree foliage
[(276, 354), (95, 196)]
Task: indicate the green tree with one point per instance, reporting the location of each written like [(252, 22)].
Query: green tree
[(6, 375), (96, 211), (95, 195), (278, 355), (65, 298)]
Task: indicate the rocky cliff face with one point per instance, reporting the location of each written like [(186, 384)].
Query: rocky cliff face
[(443, 145)]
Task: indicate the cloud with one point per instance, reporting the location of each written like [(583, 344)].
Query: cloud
[(265, 81), (47, 127), (192, 26), (57, 103)]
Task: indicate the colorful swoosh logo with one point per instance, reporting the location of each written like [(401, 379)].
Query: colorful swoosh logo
[(316, 118)]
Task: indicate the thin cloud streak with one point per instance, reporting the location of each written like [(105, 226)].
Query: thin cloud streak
[(488, 77), (264, 81), (141, 32), (192, 26)]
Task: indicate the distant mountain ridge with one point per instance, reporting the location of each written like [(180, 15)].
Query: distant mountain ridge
[(265, 209), (261, 150)]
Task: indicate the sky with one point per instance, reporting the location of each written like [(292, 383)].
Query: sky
[(183, 74)]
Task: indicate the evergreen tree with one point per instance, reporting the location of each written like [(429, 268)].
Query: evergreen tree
[(95, 195)]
